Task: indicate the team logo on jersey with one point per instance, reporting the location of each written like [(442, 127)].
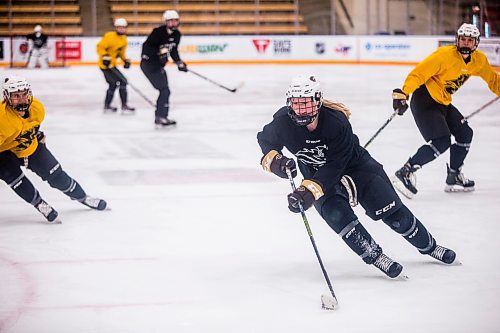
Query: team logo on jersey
[(452, 86), (314, 157), (25, 139)]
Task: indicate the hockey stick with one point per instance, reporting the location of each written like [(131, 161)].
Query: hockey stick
[(328, 302), (212, 81), (380, 129), (120, 76), (480, 109)]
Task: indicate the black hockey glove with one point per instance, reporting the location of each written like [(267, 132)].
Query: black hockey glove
[(181, 65), (106, 60), (40, 136), (276, 163), (126, 63), (399, 101), (305, 195)]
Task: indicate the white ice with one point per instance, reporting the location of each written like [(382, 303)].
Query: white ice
[(199, 238)]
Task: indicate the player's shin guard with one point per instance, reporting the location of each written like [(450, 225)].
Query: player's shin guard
[(25, 189), (405, 223), (72, 188), (362, 243), (60, 180), (122, 90)]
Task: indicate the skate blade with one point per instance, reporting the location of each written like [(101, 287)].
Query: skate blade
[(163, 127), (398, 185), (329, 302), (56, 221), (457, 188)]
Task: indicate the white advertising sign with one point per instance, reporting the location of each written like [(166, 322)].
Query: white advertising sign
[(256, 49), (395, 48)]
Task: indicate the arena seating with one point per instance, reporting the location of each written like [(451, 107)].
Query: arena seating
[(213, 17), (57, 17)]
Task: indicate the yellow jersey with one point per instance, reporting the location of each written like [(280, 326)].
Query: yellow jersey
[(114, 45), (18, 134), (445, 71)]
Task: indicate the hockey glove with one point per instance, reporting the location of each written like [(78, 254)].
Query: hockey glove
[(106, 60), (276, 163), (181, 65), (305, 195), (40, 136), (126, 63), (399, 103)]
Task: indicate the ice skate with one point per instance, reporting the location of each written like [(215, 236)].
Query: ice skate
[(109, 109), (161, 122), (457, 182), (47, 211), (94, 203), (389, 267), (443, 254), (127, 110), (405, 181)]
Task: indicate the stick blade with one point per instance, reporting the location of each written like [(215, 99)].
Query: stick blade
[(237, 87), (329, 302)]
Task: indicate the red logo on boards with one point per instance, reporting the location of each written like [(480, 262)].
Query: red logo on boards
[(261, 44), (69, 50)]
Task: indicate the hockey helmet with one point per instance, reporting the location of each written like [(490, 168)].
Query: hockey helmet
[(121, 22), (12, 85), (170, 15), (304, 99), (467, 30)]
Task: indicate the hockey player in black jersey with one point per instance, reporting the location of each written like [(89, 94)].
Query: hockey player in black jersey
[(161, 44), (37, 48), (339, 173)]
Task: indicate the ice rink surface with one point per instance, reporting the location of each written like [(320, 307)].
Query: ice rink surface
[(199, 238)]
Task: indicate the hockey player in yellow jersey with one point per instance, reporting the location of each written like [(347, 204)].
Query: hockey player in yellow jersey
[(23, 144), (432, 83), (112, 46)]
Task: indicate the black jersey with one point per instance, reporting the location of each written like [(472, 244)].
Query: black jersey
[(325, 154), (158, 39), (39, 40)]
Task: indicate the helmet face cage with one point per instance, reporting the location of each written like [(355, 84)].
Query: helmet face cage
[(120, 26), (304, 99), (467, 30), (17, 85)]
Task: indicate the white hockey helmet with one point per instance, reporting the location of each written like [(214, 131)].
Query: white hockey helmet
[(304, 98), (121, 22), (170, 15), (13, 84), (467, 30), (38, 28)]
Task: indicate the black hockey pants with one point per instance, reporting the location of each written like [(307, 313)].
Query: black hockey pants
[(45, 165), (377, 196), (437, 122), (115, 79), (158, 78)]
